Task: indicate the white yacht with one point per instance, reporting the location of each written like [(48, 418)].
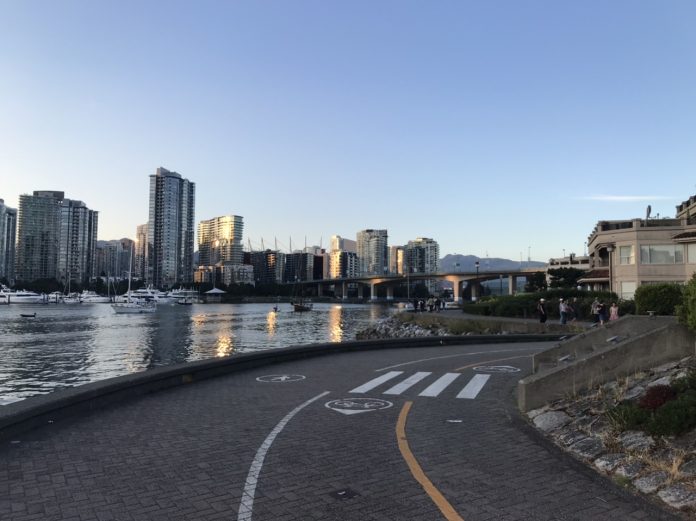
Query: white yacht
[(20, 296), (91, 297), (133, 304)]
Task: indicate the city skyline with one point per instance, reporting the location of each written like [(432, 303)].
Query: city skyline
[(505, 129)]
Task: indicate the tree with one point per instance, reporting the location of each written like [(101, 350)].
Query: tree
[(535, 282), (565, 277)]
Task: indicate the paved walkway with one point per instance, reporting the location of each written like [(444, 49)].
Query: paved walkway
[(399, 434)]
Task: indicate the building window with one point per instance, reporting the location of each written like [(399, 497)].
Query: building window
[(691, 253), (628, 290), (626, 255), (662, 254)]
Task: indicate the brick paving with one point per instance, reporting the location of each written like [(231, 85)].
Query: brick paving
[(184, 454)]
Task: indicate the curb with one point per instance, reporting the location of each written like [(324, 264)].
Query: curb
[(35, 411)]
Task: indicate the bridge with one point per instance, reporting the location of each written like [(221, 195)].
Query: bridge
[(457, 278)]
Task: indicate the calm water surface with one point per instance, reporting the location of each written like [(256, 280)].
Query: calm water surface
[(69, 345)]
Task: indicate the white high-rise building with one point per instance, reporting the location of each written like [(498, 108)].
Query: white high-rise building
[(373, 252), (170, 229), (220, 240), (8, 237), (423, 256)]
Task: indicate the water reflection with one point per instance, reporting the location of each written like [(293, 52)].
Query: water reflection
[(67, 346)]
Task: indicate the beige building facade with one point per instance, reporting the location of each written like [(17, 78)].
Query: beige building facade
[(627, 254)]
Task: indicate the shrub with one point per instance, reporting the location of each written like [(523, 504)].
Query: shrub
[(675, 417), (681, 385), (627, 416), (687, 310), (660, 298), (656, 396)]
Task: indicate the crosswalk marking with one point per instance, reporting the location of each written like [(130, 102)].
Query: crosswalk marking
[(376, 382), (474, 386), (409, 382), (440, 384)]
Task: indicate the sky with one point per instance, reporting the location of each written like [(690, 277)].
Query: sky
[(499, 128)]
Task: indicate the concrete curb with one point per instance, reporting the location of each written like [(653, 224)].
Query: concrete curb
[(36, 411)]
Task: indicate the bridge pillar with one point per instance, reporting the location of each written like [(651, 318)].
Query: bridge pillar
[(390, 292), (373, 293), (344, 290), (320, 289), (512, 284), (474, 289), (457, 290)]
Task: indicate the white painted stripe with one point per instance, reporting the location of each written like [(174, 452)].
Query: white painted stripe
[(376, 381), (474, 386), (440, 384), (409, 382), (246, 505)]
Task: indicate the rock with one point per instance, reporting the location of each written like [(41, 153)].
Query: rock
[(678, 496), (665, 367), (636, 440), (588, 449), (536, 412), (688, 469), (650, 483), (634, 392), (551, 420), (665, 380), (569, 437), (609, 462), (630, 470)]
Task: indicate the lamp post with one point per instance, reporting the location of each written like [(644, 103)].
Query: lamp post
[(477, 281)]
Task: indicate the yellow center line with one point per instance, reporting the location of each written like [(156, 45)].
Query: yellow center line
[(491, 361), (430, 489)]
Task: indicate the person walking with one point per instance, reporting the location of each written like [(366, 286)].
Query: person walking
[(595, 311), (563, 310), (602, 312), (541, 310), (614, 311)]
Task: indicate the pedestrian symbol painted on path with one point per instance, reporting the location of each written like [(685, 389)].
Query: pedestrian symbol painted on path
[(357, 405), (496, 369), (280, 378)]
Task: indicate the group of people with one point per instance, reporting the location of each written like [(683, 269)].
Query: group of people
[(432, 304), (569, 311)]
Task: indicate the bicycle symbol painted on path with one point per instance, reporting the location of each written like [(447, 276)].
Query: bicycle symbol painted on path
[(280, 378), (357, 405)]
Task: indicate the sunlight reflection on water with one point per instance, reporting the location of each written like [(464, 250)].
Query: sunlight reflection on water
[(65, 346)]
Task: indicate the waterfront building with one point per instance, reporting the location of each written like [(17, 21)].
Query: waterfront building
[(8, 238), (625, 254), (220, 240), (299, 266), (268, 266), (170, 230), (140, 253), (236, 274), (373, 252), (339, 243), (113, 259), (343, 264), (77, 242), (56, 238), (423, 256), (396, 260)]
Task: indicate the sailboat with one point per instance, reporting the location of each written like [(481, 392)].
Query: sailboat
[(299, 303), (130, 305)]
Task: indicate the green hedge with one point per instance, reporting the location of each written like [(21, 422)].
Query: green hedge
[(660, 298)]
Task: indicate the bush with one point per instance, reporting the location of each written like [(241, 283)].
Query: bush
[(626, 416), (681, 385), (675, 417), (687, 310), (656, 396), (660, 298)]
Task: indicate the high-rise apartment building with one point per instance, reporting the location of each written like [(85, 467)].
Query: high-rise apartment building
[(170, 229), (396, 260), (77, 243), (268, 266), (8, 237), (140, 253), (423, 256), (114, 258), (220, 240), (373, 252), (343, 264), (339, 243)]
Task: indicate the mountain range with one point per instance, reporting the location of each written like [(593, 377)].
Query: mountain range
[(457, 262)]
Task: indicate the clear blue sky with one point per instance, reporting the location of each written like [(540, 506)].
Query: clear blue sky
[(492, 127)]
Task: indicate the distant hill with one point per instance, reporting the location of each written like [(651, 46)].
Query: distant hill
[(467, 263)]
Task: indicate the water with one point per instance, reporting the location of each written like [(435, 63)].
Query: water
[(65, 346)]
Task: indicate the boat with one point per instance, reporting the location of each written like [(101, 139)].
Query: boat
[(184, 302), (91, 297), (298, 302), (27, 315), (20, 296), (131, 305), (189, 296)]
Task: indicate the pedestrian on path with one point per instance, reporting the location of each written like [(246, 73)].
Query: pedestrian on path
[(595, 311), (541, 310), (614, 311), (563, 310)]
